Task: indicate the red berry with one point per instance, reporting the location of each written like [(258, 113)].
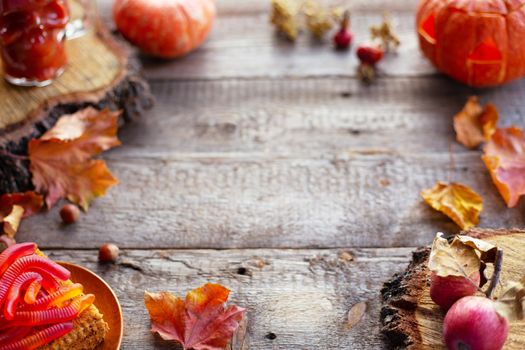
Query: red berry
[(343, 38), (370, 54), (445, 291), (69, 214), (108, 253), (473, 323)]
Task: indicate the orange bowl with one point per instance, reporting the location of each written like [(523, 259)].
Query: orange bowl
[(106, 301)]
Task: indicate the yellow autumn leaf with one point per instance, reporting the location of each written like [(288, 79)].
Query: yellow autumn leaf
[(11, 222), (457, 201), (475, 124)]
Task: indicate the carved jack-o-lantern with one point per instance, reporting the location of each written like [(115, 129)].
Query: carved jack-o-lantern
[(478, 42)]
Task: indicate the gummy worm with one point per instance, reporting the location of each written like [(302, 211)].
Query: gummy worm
[(40, 338), (14, 294), (49, 282), (43, 317), (55, 299), (14, 252), (32, 292), (14, 334), (25, 263)]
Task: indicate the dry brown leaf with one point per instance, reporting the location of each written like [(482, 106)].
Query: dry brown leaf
[(355, 314), (462, 257), (14, 207), (284, 17), (11, 221), (457, 201), (61, 160), (475, 124), (511, 303)]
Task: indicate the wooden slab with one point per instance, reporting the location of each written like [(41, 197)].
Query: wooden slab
[(412, 320), (100, 73), (296, 299)]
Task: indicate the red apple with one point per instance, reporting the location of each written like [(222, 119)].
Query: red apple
[(445, 291), (473, 323)]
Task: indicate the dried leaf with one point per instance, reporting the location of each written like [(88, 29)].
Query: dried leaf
[(457, 201), (462, 257), (14, 207), (355, 314), (31, 202), (473, 124), (385, 33), (200, 322), (11, 221), (504, 156), (6, 242), (61, 159), (319, 19), (284, 17), (511, 304)]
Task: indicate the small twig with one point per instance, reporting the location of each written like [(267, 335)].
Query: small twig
[(495, 276), (11, 155)]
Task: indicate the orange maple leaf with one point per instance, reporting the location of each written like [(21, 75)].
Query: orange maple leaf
[(14, 207), (457, 201), (504, 156), (200, 322), (474, 124), (61, 160)]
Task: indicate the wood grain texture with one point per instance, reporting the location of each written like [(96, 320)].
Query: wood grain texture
[(301, 296), (412, 320), (253, 200)]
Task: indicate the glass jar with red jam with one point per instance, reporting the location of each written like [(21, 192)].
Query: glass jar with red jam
[(32, 40)]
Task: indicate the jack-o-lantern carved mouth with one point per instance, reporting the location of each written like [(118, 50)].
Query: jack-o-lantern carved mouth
[(427, 29)]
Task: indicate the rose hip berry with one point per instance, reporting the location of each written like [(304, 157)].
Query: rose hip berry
[(343, 38), (473, 323), (370, 54), (108, 253), (69, 214)]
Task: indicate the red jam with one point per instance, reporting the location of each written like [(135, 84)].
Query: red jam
[(32, 36)]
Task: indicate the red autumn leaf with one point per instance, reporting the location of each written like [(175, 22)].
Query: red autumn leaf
[(61, 160), (14, 207), (200, 322), (31, 202), (504, 156)]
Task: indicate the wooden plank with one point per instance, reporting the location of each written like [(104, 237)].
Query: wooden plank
[(247, 46), (256, 200), (315, 117), (301, 296)]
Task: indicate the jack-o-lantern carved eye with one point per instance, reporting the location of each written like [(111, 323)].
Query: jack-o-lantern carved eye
[(427, 28), (486, 52)]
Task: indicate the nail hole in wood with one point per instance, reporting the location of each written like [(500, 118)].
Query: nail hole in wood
[(271, 336), (242, 271)]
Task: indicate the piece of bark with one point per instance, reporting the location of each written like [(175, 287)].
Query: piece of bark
[(411, 320), (101, 73)]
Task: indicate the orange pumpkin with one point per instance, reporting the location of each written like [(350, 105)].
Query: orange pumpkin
[(165, 28), (478, 42)]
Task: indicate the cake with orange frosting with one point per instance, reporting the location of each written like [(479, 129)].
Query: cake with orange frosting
[(41, 308)]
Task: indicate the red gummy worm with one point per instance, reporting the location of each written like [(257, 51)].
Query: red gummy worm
[(14, 294), (56, 299), (49, 282), (40, 338), (14, 334), (32, 292), (43, 317), (25, 263), (14, 252)]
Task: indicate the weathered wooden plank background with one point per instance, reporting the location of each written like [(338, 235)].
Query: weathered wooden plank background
[(276, 154)]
